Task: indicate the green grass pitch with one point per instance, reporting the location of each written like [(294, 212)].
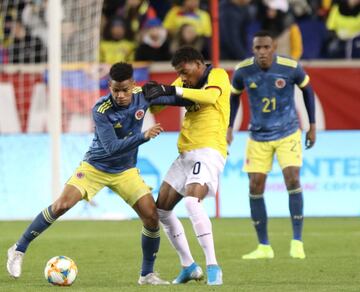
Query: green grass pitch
[(108, 256)]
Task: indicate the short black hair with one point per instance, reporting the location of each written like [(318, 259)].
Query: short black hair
[(121, 71), (186, 54), (264, 33)]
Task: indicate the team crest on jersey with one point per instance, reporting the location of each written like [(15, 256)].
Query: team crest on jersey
[(80, 174), (139, 114), (280, 83)]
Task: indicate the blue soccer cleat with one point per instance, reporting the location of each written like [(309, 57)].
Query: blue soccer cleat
[(214, 275), (192, 272)]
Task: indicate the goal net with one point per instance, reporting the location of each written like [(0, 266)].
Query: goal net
[(24, 54)]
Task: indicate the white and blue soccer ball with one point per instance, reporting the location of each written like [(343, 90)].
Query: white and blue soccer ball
[(61, 271)]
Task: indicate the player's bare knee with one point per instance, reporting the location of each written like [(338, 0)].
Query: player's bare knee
[(256, 187), (61, 207), (292, 183), (151, 221), (151, 218)]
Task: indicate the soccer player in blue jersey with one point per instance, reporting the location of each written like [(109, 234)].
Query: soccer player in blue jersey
[(274, 129), (110, 161)]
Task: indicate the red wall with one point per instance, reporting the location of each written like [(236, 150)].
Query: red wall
[(338, 91)]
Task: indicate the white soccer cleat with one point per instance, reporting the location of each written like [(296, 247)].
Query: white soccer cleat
[(14, 261), (152, 279)]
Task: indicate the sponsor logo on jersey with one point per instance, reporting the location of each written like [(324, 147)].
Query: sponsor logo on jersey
[(139, 114), (280, 83), (253, 85)]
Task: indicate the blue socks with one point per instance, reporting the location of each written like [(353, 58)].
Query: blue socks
[(150, 242), (296, 211), (40, 223), (259, 217)]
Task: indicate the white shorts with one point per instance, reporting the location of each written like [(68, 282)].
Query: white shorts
[(202, 166)]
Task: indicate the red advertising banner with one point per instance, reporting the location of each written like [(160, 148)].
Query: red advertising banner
[(337, 100)]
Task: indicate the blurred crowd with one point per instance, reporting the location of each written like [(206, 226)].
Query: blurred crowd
[(145, 30)]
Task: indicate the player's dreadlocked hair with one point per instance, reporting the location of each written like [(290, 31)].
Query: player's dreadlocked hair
[(121, 71), (263, 33), (186, 54)]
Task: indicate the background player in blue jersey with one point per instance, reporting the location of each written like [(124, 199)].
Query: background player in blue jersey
[(274, 129), (110, 161)]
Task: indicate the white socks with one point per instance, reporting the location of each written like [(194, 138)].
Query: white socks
[(175, 232), (202, 227)]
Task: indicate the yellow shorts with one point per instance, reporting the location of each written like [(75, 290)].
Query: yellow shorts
[(259, 155), (127, 184)]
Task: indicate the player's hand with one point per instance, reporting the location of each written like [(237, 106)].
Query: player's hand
[(229, 136), (310, 137), (153, 90), (153, 131)]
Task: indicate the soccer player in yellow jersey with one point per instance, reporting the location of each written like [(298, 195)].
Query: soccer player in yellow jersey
[(202, 147)]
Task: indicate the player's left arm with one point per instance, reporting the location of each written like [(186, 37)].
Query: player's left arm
[(218, 78), (303, 81), (159, 103), (171, 100)]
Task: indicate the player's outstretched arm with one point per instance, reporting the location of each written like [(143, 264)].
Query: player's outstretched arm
[(171, 100), (153, 90), (202, 96), (153, 132)]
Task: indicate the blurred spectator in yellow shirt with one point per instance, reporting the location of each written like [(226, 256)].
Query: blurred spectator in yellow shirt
[(114, 47), (190, 13), (344, 25), (135, 14)]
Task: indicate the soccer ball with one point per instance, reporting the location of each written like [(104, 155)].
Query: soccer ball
[(61, 271)]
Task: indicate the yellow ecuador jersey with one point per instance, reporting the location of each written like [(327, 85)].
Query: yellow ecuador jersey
[(206, 125)]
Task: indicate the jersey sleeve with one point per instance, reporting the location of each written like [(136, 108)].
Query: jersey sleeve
[(108, 138), (215, 86), (300, 77), (237, 83), (170, 100)]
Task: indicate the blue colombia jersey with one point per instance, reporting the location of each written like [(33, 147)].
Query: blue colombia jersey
[(271, 96), (118, 130), (117, 134)]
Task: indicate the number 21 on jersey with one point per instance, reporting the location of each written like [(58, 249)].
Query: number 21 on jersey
[(269, 104)]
